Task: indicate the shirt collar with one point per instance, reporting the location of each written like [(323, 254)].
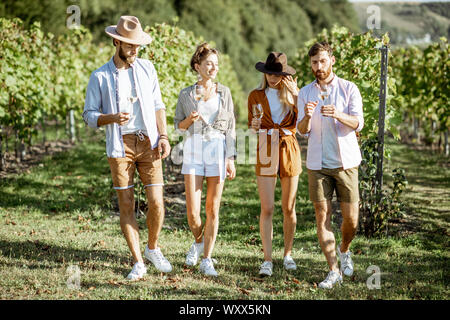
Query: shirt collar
[(333, 82), (220, 87), (113, 67)]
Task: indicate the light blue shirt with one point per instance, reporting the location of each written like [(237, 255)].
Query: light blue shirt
[(102, 98)]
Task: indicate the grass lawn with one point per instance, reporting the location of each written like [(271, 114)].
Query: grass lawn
[(62, 214)]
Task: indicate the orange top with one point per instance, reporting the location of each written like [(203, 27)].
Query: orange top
[(289, 122), (285, 159)]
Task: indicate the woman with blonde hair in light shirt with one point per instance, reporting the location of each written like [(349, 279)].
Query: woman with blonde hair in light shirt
[(205, 113), (272, 113)]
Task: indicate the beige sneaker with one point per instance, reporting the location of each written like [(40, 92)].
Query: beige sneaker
[(346, 262), (289, 263), (194, 253), (138, 271), (158, 259), (331, 279), (207, 267), (266, 268)]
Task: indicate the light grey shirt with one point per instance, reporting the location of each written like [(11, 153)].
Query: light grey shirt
[(224, 121)]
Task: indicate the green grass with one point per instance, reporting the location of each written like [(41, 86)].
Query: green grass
[(63, 214)]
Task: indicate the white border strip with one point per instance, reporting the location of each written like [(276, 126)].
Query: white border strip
[(156, 184), (124, 188)]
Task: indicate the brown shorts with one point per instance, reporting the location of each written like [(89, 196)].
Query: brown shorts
[(138, 154), (322, 184), (285, 160)]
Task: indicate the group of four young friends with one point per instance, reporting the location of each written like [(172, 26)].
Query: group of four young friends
[(124, 96)]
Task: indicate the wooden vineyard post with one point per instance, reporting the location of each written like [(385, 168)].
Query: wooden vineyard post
[(72, 126), (381, 118), (2, 158)]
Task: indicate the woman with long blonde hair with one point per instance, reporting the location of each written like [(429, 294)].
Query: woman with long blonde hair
[(272, 113)]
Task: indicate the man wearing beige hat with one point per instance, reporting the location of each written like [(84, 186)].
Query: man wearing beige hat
[(124, 96)]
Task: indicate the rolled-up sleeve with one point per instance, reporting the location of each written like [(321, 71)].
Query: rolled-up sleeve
[(251, 100), (179, 112), (230, 137), (159, 104), (92, 103), (355, 106), (301, 101)]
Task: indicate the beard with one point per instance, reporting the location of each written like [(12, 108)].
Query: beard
[(321, 74), (124, 58)]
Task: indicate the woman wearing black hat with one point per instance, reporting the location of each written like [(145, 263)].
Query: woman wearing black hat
[(278, 152)]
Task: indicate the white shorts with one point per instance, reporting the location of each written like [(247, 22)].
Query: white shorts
[(204, 158)]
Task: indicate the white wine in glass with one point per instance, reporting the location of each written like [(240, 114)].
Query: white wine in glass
[(198, 92), (324, 93), (258, 111)]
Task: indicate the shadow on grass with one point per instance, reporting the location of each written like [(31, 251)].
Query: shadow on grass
[(415, 276), (422, 168), (68, 181), (40, 254)]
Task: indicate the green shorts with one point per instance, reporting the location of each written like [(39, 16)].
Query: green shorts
[(322, 184)]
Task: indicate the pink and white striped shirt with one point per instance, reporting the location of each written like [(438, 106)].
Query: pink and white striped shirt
[(346, 97)]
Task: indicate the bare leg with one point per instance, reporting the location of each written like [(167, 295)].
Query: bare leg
[(193, 186), (128, 222), (350, 212), (288, 194), (325, 233), (155, 214), (266, 189), (212, 206)]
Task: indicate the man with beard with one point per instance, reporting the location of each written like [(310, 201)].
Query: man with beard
[(330, 113), (124, 96)]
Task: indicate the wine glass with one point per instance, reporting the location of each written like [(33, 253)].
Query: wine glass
[(199, 92), (126, 106), (130, 102), (324, 93), (258, 111)]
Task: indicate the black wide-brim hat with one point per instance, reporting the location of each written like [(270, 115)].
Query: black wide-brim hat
[(276, 63)]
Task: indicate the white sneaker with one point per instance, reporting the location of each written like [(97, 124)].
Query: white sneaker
[(289, 263), (157, 258), (194, 253), (331, 280), (138, 271), (346, 262), (266, 268), (207, 267)]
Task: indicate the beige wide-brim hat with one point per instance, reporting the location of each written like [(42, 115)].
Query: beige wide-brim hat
[(129, 30)]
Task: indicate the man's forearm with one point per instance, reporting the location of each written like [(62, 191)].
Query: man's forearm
[(304, 126), (161, 121), (348, 120), (105, 119)]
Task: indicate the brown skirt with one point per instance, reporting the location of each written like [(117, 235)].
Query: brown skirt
[(285, 159)]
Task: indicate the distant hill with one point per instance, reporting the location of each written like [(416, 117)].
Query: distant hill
[(411, 22)]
